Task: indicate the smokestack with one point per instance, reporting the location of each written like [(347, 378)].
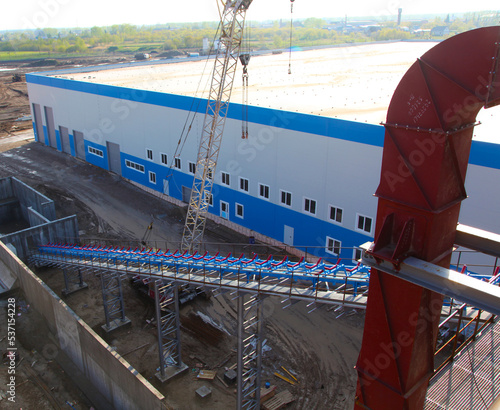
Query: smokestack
[(400, 10)]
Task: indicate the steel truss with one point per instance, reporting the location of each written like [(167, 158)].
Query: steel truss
[(169, 334), (73, 280), (112, 296), (232, 24), (250, 325), (250, 279), (334, 284)]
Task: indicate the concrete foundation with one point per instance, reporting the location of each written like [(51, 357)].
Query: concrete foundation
[(20, 201), (171, 372), (106, 371)]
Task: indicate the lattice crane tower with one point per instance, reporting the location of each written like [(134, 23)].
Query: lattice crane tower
[(232, 15)]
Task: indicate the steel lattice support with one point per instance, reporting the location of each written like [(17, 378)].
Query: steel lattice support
[(250, 324), (112, 296), (73, 280), (232, 24), (169, 333), (428, 135)]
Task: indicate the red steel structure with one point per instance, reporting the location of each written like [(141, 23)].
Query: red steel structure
[(428, 135)]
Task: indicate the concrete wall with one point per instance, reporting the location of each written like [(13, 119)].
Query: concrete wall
[(28, 197), (9, 210), (6, 188), (34, 218), (55, 231), (108, 372)]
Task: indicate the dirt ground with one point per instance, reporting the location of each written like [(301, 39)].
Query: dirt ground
[(321, 347)]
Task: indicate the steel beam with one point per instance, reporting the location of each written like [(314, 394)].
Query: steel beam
[(447, 282), (478, 240), (169, 332), (112, 296), (250, 325), (73, 281)]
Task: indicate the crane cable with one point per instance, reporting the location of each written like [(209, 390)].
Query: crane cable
[(291, 32), (245, 60), (193, 111)]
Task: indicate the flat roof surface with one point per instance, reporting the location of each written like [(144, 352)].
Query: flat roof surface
[(348, 82)]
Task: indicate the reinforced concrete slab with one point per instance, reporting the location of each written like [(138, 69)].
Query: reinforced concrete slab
[(115, 324), (74, 288), (171, 372)]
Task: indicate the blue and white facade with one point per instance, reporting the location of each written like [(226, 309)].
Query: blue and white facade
[(304, 180)]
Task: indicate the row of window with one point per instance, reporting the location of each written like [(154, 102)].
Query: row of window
[(309, 205), (164, 160), (335, 214), (96, 151)]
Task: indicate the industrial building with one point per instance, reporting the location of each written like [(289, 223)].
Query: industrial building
[(303, 178)]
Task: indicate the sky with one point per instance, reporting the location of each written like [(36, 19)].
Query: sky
[(30, 14)]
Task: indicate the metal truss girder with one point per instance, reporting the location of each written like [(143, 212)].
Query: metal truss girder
[(112, 296), (250, 326), (475, 292), (251, 279), (73, 280), (232, 22), (168, 326)]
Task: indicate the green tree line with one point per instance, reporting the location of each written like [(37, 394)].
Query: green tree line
[(130, 38)]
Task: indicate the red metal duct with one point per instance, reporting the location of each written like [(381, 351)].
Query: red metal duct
[(428, 134)]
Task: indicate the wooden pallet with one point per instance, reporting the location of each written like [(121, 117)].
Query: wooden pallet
[(207, 374), (278, 401)]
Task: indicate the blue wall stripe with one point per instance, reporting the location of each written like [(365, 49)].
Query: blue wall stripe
[(485, 154)]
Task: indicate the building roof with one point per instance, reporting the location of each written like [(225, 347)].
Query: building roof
[(347, 82)]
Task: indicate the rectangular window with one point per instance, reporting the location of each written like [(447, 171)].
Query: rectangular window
[(357, 254), (335, 214), (192, 167), (152, 177), (95, 151), (177, 163), (210, 200), (244, 184), (310, 206), (149, 154), (210, 173), (264, 191), (225, 178), (164, 159), (364, 224), (239, 210), (286, 198), (333, 246), (134, 165)]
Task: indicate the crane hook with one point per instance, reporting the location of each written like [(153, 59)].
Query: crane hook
[(291, 29)]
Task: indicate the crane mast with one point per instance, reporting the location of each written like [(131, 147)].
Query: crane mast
[(232, 15)]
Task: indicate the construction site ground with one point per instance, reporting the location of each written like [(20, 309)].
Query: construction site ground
[(320, 348)]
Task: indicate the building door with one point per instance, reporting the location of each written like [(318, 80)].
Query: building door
[(65, 145), (37, 112), (288, 235), (224, 210), (79, 144), (186, 194), (51, 131), (114, 160)]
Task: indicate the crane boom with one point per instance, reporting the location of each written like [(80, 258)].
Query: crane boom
[(232, 15)]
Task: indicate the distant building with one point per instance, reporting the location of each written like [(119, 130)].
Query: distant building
[(440, 31)]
